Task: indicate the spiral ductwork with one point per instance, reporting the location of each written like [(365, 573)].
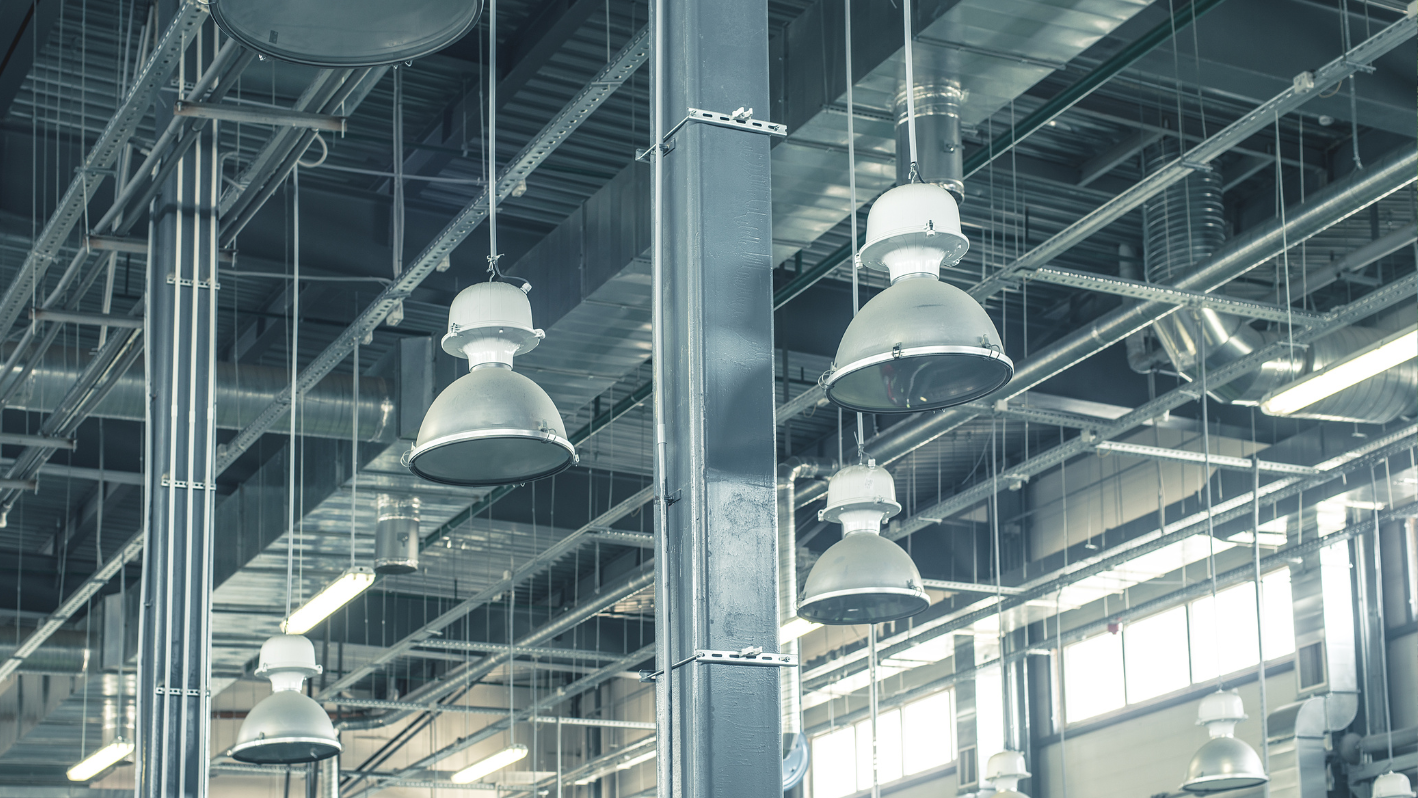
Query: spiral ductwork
[(1183, 226), (941, 156), (243, 392)]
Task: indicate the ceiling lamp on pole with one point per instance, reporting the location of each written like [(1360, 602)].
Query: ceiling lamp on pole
[(1223, 762), (492, 426), (921, 344), (346, 33), (287, 727), (862, 578), (1004, 770)]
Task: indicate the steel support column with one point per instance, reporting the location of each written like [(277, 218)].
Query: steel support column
[(175, 633), (720, 726)]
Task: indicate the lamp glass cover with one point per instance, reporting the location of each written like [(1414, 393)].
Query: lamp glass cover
[(1224, 763), (285, 728), (862, 578), (346, 33)]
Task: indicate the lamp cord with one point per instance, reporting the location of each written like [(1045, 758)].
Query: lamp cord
[(492, 183), (914, 175), (294, 371), (852, 205)]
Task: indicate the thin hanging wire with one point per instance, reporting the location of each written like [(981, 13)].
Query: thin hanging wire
[(852, 211), (398, 222), (1210, 523), (492, 183), (1260, 609), (354, 453), (914, 176), (294, 373), (871, 676)]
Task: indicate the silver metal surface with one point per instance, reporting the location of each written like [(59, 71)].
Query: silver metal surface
[(345, 33), (1165, 293), (276, 118)]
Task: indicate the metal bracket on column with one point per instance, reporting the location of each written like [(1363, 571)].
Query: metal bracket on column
[(188, 282), (168, 482), (645, 153), (749, 655), (741, 119)]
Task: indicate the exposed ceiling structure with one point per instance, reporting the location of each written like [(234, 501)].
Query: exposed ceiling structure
[(547, 587)]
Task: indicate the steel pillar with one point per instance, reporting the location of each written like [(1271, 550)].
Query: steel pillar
[(719, 725), (174, 660)]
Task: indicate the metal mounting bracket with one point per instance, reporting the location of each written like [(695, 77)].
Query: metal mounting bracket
[(741, 119), (749, 655)]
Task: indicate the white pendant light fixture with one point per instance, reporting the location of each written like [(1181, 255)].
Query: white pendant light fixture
[(862, 578), (492, 764), (345, 33), (492, 426), (1223, 762), (1374, 359), (921, 344), (322, 605), (101, 760), (1392, 785), (287, 727), (1004, 771)]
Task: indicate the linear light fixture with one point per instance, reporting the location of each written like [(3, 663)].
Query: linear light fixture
[(633, 761), (1373, 359), (492, 764), (1268, 539), (322, 605), (101, 760), (796, 628)]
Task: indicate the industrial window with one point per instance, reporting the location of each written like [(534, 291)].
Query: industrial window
[(912, 739), (1177, 648), (1093, 677), (1155, 652)]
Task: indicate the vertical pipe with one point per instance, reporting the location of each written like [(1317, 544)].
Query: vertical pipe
[(1260, 622), (719, 559)]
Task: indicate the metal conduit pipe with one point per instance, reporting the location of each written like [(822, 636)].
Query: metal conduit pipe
[(243, 391), (471, 674), (1183, 225), (64, 651), (790, 679), (1245, 252)]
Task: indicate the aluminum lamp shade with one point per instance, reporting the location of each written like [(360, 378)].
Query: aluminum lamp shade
[(1224, 763), (286, 728), (346, 33), (921, 344), (492, 426), (1392, 785), (862, 578)]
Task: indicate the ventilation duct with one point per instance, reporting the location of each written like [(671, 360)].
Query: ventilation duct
[(1183, 226), (1297, 750), (795, 751), (396, 534), (243, 392), (1325, 657), (940, 155)]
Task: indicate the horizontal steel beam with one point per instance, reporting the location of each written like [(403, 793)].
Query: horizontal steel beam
[(95, 319), (968, 587), (552, 720), (1177, 296), (138, 246), (20, 439), (526, 651), (18, 484), (1305, 86), (1187, 456), (277, 117)]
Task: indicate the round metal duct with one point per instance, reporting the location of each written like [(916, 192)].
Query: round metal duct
[(346, 33), (396, 534)]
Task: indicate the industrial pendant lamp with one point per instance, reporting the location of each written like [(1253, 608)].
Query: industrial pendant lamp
[(1223, 762), (921, 344), (287, 727), (863, 578), (346, 33), (1392, 785), (1003, 771), (492, 426)]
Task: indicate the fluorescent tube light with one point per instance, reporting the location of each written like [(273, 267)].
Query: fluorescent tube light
[(335, 595), (492, 764), (101, 760), (633, 761), (1374, 359), (794, 629), (1268, 539)]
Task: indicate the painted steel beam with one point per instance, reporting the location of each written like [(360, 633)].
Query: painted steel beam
[(1154, 292)]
